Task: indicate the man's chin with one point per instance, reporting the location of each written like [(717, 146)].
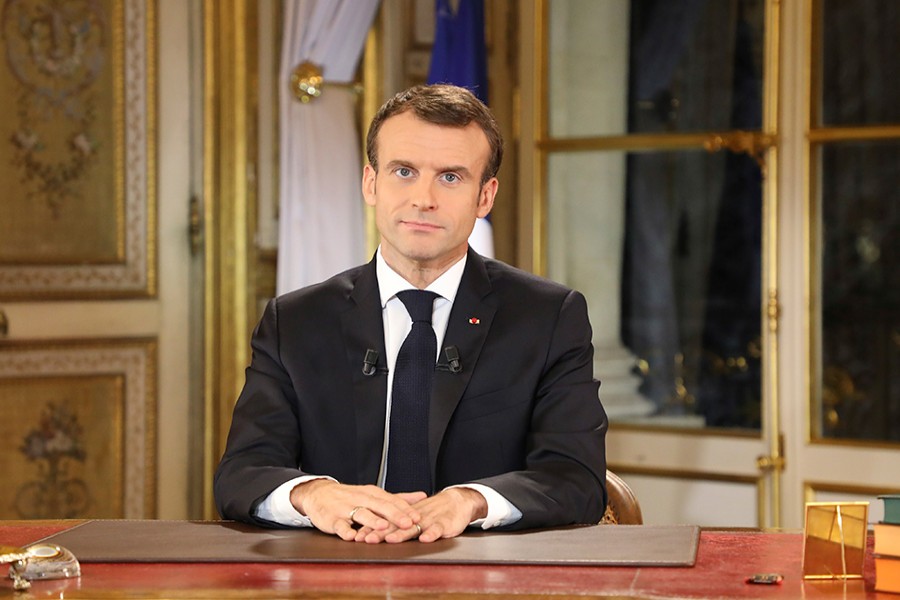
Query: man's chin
[(422, 258), (427, 258), (425, 254)]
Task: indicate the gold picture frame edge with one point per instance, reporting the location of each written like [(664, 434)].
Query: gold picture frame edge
[(862, 550)]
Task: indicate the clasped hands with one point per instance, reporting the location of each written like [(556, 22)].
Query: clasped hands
[(367, 513)]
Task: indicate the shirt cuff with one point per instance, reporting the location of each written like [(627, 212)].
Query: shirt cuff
[(277, 505), (500, 510)]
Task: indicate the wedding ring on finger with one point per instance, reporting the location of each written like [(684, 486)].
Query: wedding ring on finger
[(353, 513), (418, 529)]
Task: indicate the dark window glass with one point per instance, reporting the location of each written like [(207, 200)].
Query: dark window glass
[(860, 49), (691, 282), (654, 66), (860, 288), (695, 65), (689, 273)]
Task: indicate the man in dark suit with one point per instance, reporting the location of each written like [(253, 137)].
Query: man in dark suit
[(513, 432)]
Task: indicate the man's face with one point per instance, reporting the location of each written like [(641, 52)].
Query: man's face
[(427, 192)]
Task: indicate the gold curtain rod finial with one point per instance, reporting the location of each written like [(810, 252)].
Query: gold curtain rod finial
[(306, 82)]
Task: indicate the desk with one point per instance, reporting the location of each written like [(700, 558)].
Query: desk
[(724, 559)]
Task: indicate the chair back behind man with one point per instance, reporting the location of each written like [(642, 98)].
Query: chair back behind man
[(622, 508)]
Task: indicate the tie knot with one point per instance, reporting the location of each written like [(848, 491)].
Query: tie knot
[(419, 304)]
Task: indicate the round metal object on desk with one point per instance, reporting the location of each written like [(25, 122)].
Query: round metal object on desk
[(49, 561)]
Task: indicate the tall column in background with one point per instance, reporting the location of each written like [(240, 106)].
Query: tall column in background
[(588, 80)]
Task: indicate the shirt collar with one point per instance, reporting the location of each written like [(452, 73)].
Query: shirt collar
[(390, 282)]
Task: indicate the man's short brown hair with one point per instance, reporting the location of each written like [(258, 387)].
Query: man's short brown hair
[(441, 104)]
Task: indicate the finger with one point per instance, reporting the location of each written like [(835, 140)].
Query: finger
[(395, 510), (344, 530), (402, 535), (377, 537), (432, 533), (361, 533), (367, 534), (365, 517)]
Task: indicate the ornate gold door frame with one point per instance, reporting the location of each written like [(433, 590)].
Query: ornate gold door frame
[(229, 209)]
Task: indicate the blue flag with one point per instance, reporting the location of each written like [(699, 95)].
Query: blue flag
[(458, 55)]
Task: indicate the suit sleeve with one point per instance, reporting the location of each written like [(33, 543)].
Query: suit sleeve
[(263, 446), (564, 479)]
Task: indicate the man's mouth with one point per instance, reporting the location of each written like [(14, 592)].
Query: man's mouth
[(420, 225)]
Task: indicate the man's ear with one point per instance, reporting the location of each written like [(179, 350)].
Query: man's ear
[(486, 196), (368, 184)]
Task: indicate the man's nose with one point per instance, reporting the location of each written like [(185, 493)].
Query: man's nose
[(423, 196)]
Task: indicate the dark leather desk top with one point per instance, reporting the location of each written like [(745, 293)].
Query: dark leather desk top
[(227, 541), (724, 560)]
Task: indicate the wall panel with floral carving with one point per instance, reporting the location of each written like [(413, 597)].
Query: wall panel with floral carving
[(77, 437), (77, 164)]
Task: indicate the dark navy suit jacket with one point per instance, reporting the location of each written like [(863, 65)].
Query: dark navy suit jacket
[(522, 417)]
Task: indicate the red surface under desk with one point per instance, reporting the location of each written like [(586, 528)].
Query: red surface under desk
[(724, 560)]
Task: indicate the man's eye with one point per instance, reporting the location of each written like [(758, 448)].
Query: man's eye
[(450, 177), (404, 172)]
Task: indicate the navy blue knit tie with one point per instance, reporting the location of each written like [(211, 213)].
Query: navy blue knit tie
[(408, 467)]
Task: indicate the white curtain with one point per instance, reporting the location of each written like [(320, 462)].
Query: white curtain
[(321, 229)]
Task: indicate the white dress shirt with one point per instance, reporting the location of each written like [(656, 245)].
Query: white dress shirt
[(277, 506)]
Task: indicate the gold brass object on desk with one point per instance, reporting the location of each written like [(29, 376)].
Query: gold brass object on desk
[(38, 561), (16, 557), (834, 541)]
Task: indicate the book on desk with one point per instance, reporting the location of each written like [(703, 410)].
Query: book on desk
[(887, 546)]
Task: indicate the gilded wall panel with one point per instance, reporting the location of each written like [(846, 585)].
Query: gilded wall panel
[(78, 437), (77, 149)]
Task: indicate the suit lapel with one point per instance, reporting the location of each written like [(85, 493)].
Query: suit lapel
[(470, 320), (362, 328)]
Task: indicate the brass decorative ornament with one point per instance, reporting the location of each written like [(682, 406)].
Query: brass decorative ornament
[(751, 143), (17, 557), (306, 82)]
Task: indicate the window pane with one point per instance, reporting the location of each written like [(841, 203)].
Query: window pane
[(666, 248), (860, 47), (860, 288), (654, 66)]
